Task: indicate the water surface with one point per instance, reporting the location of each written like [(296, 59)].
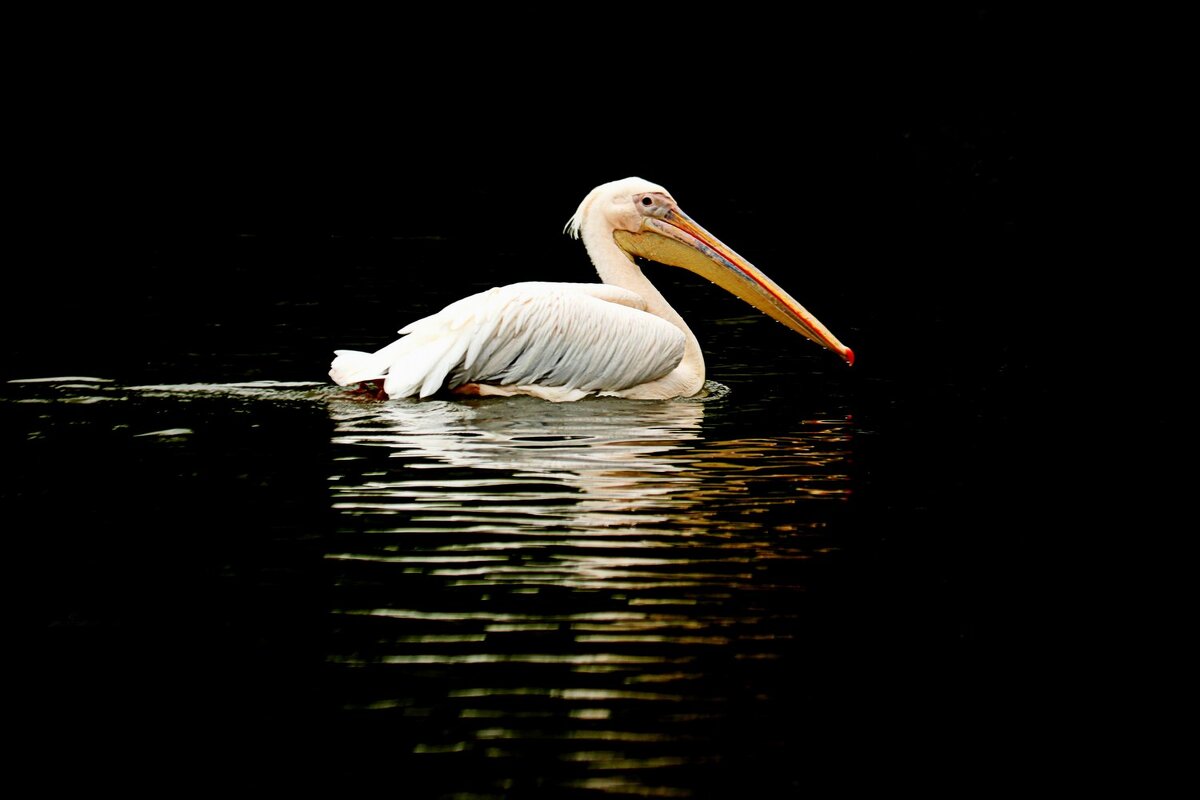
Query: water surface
[(502, 597)]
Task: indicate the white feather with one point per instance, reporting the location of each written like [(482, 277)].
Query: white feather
[(565, 340), (353, 366)]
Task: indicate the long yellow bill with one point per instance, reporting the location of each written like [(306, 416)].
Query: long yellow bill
[(675, 239)]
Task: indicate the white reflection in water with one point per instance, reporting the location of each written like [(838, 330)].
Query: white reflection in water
[(605, 459), (572, 578), (595, 464)]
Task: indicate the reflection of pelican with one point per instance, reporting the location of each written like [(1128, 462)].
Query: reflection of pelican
[(603, 464), (586, 469), (563, 341), (547, 444)]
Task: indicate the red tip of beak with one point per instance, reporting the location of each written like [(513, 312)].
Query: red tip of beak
[(849, 356)]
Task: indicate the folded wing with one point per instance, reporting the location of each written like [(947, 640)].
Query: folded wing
[(577, 338)]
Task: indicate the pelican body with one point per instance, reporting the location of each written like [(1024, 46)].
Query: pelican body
[(565, 341)]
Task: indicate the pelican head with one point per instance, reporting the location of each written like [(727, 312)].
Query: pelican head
[(644, 220)]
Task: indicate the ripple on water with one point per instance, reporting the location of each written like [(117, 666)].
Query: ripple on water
[(590, 584), (606, 594)]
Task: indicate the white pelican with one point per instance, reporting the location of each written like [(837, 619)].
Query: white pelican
[(564, 341)]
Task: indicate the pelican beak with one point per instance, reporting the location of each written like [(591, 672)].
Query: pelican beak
[(674, 238)]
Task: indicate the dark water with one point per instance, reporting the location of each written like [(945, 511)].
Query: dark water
[(228, 574), (242, 574)]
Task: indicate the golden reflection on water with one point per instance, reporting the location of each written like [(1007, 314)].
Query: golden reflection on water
[(592, 591), (569, 578)]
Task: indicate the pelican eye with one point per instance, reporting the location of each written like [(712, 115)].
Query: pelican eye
[(647, 201)]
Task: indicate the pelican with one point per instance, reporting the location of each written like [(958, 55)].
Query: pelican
[(565, 341)]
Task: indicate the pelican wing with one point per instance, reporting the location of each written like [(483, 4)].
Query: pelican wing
[(573, 338)]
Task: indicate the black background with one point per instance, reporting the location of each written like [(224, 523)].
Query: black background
[(888, 165)]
